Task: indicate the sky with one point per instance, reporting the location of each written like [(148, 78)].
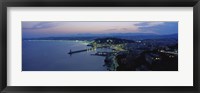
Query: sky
[(34, 29)]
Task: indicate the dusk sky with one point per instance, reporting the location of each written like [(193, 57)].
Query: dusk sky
[(53, 28)]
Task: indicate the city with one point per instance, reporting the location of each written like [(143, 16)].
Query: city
[(142, 55)]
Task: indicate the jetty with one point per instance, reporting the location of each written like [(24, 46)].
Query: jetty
[(78, 51)]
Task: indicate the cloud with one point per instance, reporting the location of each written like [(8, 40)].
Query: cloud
[(159, 27), (124, 29), (64, 27), (39, 25), (27, 25), (149, 27), (110, 30), (149, 24)]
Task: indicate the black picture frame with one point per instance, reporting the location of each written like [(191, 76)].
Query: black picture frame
[(98, 3)]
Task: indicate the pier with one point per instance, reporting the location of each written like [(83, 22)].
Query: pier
[(78, 51)]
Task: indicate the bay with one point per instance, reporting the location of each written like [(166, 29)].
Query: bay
[(52, 55)]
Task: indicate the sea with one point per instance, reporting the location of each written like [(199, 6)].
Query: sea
[(52, 55)]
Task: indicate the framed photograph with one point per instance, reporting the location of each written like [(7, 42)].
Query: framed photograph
[(99, 46)]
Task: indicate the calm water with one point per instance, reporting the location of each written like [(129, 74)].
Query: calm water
[(53, 56)]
